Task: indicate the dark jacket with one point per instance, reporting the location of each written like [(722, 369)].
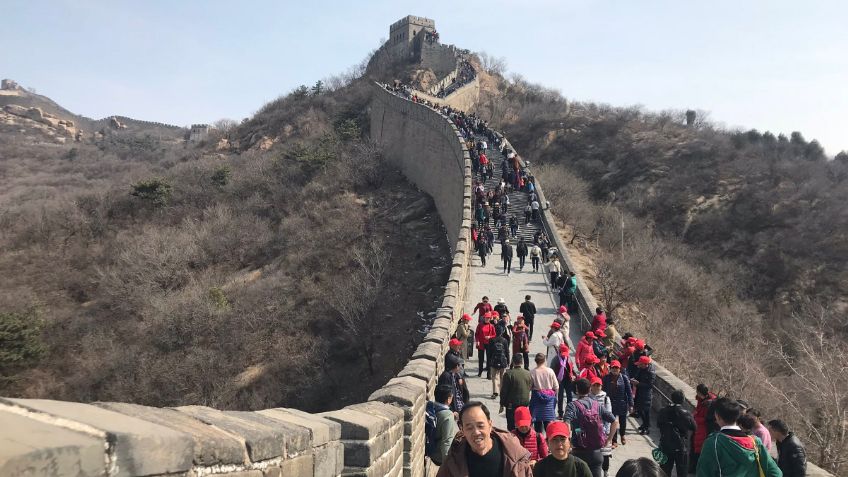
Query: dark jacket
[(506, 251), (498, 359), (528, 309), (521, 249), (675, 424), (619, 392), (645, 388), (516, 457), (515, 387), (791, 457)]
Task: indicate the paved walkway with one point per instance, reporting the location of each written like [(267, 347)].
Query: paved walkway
[(490, 281)]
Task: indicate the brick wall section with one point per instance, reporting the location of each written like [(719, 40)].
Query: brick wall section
[(428, 148)]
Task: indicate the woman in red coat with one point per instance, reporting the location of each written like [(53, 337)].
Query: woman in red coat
[(703, 422), (584, 349), (485, 332)]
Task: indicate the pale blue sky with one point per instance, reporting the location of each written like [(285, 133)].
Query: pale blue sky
[(775, 65)]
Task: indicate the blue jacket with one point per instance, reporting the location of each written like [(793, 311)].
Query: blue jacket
[(619, 392)]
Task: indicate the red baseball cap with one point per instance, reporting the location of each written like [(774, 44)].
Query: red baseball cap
[(454, 342), (557, 429), (563, 309), (591, 359), (615, 364), (522, 416), (466, 317), (596, 380), (644, 360), (563, 349), (488, 314), (589, 334), (600, 334), (555, 325)]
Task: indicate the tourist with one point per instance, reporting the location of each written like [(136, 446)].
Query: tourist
[(617, 386), (599, 322), (704, 422), (498, 352), (485, 332), (521, 340), (528, 212), (612, 337), (732, 453), (553, 341), (482, 249), (759, 429), (554, 268), (501, 309), (560, 462), (597, 393), (534, 207), (586, 414), (641, 467), (452, 378), (521, 251), (528, 310), (483, 307), (528, 437), (454, 347), (506, 256), (571, 288), (585, 348), (484, 450), (515, 389), (463, 334), (643, 382), (564, 370), (535, 255), (513, 224), (446, 427), (675, 424), (543, 395), (791, 455)]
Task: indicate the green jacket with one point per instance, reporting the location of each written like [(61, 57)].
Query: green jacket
[(731, 453), (446, 425), (515, 387), (570, 467)]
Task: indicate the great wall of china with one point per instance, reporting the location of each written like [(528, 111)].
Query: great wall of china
[(383, 436)]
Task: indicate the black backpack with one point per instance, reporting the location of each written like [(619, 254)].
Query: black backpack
[(431, 436), (498, 352)]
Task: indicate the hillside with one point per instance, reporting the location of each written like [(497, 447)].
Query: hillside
[(150, 270)]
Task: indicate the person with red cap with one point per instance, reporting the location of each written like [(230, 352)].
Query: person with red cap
[(560, 462), (483, 335), (617, 386), (454, 353), (564, 370), (563, 319), (521, 341), (600, 320), (585, 348), (587, 417), (529, 438), (554, 340), (643, 381), (590, 368), (597, 393), (598, 346), (464, 335)]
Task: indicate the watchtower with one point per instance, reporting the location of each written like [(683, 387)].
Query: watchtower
[(404, 30)]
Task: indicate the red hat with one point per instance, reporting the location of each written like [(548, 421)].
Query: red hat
[(591, 359), (596, 380), (522, 416), (644, 360), (640, 344), (557, 429), (555, 325), (454, 342), (488, 314), (590, 335), (630, 350), (563, 309), (563, 350), (615, 364), (600, 334), (631, 340), (466, 317)]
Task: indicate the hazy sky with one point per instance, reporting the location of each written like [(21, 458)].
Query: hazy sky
[(772, 65)]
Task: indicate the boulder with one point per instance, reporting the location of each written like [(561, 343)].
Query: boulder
[(36, 114), (15, 109)]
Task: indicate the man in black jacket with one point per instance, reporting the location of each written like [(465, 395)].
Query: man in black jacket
[(791, 456), (506, 256), (675, 424), (643, 381), (528, 310)]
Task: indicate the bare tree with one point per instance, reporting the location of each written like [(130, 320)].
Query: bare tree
[(492, 64), (616, 289), (813, 387), (355, 301)]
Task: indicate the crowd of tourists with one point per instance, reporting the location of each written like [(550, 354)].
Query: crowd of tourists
[(465, 74), (567, 415)]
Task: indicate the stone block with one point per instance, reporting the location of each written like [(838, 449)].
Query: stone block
[(29, 447), (264, 437), (427, 350), (407, 392), (139, 447), (328, 460), (449, 302), (437, 335), (423, 369), (211, 445), (322, 430), (358, 425), (298, 466)]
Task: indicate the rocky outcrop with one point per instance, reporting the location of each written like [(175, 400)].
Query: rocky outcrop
[(114, 123)]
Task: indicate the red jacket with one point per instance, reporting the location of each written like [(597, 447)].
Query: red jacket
[(485, 332), (600, 322), (483, 307), (534, 443), (520, 342), (584, 350), (701, 431), (589, 373)]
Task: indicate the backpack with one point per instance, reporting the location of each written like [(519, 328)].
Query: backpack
[(591, 435), (498, 353), (431, 436)]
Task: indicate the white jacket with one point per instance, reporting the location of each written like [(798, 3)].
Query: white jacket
[(553, 343)]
